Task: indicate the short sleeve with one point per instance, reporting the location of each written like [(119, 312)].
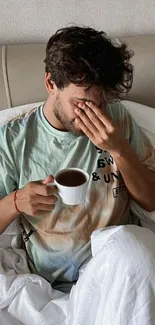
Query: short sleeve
[(2, 190), (7, 182), (134, 134), (146, 154), (8, 173), (141, 145)]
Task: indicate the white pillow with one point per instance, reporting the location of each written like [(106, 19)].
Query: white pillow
[(144, 116), (10, 113)]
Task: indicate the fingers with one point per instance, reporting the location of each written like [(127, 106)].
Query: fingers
[(48, 179), (39, 209), (37, 213), (40, 204), (100, 113), (41, 189), (90, 119), (85, 129), (49, 200), (44, 207)]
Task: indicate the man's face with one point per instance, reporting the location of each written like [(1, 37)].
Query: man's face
[(67, 100)]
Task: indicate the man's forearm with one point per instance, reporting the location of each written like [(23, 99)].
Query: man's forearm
[(8, 212), (139, 180)]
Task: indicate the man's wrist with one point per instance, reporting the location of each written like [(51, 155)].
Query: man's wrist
[(126, 158), (13, 210), (124, 152)]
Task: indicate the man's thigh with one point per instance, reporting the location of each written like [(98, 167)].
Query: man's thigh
[(118, 284)]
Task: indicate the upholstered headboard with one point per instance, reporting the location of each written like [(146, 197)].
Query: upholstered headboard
[(22, 72)]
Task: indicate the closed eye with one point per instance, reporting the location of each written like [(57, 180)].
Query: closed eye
[(82, 99)]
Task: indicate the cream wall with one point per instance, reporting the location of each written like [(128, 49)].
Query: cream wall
[(23, 21)]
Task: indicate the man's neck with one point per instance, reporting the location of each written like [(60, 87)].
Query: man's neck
[(48, 110)]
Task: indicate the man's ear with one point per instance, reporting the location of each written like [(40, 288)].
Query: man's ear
[(49, 84)]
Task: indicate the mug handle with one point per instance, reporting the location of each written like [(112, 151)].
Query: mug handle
[(51, 184)]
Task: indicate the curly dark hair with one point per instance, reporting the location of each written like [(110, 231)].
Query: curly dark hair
[(87, 57)]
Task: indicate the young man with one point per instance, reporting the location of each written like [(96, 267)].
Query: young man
[(76, 127)]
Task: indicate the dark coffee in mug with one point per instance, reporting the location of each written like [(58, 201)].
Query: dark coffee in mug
[(71, 178)]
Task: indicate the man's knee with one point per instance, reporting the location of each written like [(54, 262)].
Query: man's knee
[(129, 246), (135, 246)]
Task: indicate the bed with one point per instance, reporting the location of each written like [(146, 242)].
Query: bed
[(26, 298)]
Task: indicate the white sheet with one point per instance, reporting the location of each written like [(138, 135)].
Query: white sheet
[(116, 287)]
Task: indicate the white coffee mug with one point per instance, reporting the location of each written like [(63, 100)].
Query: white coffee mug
[(72, 195)]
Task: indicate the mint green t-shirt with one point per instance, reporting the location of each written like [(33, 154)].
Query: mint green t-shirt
[(58, 242)]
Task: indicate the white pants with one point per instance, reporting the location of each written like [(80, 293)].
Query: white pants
[(117, 287)]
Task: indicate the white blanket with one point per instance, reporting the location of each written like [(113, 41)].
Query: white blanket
[(116, 287)]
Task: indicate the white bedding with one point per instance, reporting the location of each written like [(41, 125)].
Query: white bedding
[(10, 113), (107, 291)]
